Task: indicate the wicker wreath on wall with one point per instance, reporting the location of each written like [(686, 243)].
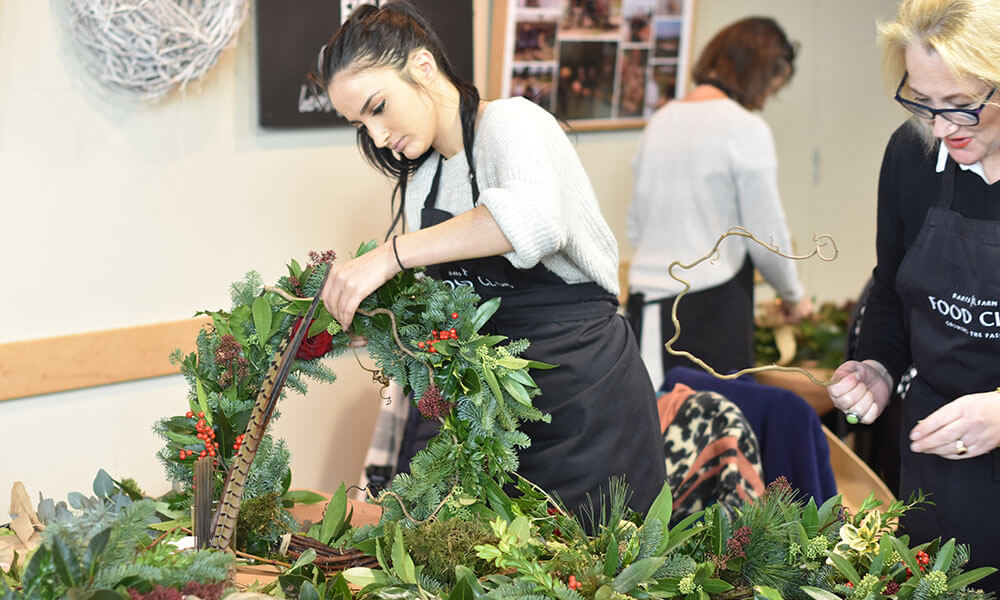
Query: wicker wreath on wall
[(146, 48)]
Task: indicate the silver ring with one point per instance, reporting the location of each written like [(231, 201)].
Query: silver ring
[(960, 447), (852, 418)]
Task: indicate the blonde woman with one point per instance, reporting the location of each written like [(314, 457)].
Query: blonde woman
[(935, 300)]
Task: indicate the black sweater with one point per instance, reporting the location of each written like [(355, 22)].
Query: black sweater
[(908, 187)]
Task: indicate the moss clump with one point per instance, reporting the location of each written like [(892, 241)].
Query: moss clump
[(440, 545)]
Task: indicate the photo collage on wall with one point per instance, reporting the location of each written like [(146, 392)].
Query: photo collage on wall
[(597, 60)]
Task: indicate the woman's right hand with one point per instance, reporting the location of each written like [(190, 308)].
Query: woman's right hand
[(862, 388)]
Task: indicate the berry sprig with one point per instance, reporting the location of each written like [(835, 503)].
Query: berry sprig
[(205, 433), (572, 583), (438, 335)]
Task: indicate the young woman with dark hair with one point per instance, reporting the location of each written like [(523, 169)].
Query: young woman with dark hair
[(495, 197), (706, 163)]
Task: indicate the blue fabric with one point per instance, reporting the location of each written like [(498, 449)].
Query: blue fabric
[(790, 435)]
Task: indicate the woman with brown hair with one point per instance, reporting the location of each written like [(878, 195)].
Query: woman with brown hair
[(706, 163)]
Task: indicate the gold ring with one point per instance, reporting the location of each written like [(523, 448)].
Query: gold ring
[(960, 447)]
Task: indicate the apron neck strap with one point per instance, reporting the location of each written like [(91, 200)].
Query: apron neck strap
[(468, 111)]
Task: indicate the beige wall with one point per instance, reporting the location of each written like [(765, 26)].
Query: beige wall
[(115, 214)]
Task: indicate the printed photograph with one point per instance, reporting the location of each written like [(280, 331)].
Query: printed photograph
[(550, 4), (671, 8), (586, 80), (662, 87), (639, 19), (631, 100), (534, 41), (668, 38), (533, 82), (592, 18)]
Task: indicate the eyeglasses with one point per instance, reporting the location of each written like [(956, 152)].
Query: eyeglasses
[(958, 116)]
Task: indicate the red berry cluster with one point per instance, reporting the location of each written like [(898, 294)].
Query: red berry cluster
[(238, 442), (572, 583), (205, 434), (923, 559), (444, 334)]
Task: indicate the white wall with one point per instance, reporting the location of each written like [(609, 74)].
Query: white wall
[(115, 214)]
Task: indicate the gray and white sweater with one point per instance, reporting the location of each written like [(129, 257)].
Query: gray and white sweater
[(534, 185)]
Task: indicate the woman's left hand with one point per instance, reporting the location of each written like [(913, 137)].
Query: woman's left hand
[(351, 282), (970, 422)]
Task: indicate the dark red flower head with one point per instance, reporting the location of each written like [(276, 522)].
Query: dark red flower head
[(315, 346), (432, 404)]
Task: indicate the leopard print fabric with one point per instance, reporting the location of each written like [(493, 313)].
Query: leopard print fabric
[(712, 454)]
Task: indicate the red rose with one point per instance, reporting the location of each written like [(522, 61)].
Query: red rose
[(315, 346)]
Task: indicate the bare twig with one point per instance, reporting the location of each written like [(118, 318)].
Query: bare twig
[(821, 241)]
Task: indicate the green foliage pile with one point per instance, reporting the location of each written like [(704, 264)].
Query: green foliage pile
[(102, 546)]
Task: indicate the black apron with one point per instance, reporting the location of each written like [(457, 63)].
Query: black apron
[(604, 420), (949, 284)]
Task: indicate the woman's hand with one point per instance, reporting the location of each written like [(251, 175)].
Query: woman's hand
[(973, 420), (351, 282), (796, 311), (862, 388)]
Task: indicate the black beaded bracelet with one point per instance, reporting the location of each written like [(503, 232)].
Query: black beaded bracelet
[(396, 253)]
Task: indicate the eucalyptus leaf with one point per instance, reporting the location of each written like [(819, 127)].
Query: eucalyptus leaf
[(104, 485)]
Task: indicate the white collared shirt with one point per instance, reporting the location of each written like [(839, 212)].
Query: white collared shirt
[(976, 167)]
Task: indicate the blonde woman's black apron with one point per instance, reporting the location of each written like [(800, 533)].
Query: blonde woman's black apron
[(949, 284), (604, 420)]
